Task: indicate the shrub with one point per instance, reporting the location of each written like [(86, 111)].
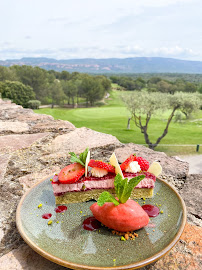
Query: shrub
[(34, 104)]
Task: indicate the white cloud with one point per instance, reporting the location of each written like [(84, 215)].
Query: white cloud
[(107, 28), (100, 52)]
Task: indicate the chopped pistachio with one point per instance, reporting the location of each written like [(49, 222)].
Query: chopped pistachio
[(57, 221), (51, 179), (123, 238), (81, 212), (40, 205), (161, 211)]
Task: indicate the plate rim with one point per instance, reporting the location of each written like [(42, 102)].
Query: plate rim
[(76, 266)]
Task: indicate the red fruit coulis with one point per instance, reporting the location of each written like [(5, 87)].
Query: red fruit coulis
[(47, 215), (91, 224), (151, 210), (61, 209)]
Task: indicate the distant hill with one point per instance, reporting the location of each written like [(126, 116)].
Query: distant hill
[(112, 65)]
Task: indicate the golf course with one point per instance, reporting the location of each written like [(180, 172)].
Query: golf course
[(112, 118)]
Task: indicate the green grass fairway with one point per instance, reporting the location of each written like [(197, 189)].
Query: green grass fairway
[(112, 119)]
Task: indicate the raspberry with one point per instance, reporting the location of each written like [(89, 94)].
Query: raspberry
[(144, 164)]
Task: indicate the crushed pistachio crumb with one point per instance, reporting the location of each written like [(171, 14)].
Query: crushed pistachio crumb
[(40, 205), (51, 179), (57, 221), (50, 222), (81, 212), (168, 215), (161, 211), (144, 198), (123, 238), (114, 260)]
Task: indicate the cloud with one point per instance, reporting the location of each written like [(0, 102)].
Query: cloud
[(119, 51)]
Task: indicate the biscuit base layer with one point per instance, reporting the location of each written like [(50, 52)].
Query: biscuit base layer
[(93, 194)]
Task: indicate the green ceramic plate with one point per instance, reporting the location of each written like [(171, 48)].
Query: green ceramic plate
[(65, 242)]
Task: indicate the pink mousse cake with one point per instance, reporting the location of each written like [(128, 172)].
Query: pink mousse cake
[(90, 187)]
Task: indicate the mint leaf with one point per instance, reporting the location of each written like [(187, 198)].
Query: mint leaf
[(123, 189), (106, 197), (118, 184), (83, 156), (74, 158), (81, 159), (130, 186)]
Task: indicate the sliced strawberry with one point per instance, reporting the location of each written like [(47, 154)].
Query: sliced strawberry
[(100, 164), (125, 164), (71, 173), (144, 164)]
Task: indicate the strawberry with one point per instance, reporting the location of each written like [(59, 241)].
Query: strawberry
[(124, 217), (71, 173), (100, 164), (144, 164), (125, 164)]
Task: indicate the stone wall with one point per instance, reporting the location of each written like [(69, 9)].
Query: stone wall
[(33, 146)]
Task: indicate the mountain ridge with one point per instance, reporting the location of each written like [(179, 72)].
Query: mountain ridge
[(112, 65)]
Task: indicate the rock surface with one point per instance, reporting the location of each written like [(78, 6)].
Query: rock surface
[(26, 156)]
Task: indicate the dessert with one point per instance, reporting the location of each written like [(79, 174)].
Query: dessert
[(76, 184)]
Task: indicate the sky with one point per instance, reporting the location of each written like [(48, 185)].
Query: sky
[(66, 29)]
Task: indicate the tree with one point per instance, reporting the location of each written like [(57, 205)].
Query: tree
[(190, 87), (164, 87), (56, 93), (143, 106), (6, 74), (92, 89), (35, 77), (70, 89), (17, 92)]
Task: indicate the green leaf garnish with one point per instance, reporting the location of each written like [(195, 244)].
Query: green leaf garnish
[(105, 196), (123, 189), (133, 182), (83, 155), (81, 159)]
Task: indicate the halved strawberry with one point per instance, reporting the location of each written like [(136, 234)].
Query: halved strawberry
[(100, 164), (125, 164), (144, 164), (71, 173)]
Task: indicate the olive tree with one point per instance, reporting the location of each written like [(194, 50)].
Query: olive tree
[(143, 106)]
